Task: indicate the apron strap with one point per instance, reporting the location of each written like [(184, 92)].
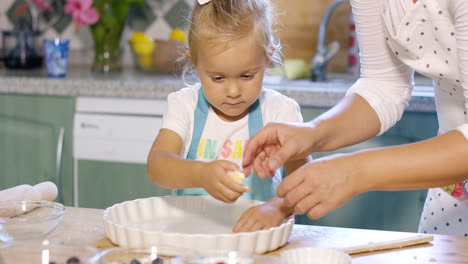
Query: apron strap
[(201, 114), (199, 121), (255, 118), (262, 190)]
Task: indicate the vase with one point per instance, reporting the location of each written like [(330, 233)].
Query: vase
[(106, 33)]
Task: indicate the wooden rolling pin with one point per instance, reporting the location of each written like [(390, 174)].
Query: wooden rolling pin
[(392, 244)]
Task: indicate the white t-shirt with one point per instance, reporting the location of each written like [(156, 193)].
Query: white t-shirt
[(221, 139)]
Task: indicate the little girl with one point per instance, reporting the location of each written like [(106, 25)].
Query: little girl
[(207, 125)]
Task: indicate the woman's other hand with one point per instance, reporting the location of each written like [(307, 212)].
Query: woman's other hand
[(321, 186)]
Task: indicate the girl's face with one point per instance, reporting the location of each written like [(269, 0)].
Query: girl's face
[(231, 75)]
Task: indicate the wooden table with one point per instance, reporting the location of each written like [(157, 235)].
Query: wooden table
[(85, 226)]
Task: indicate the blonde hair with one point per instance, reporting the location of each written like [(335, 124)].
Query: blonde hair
[(225, 20)]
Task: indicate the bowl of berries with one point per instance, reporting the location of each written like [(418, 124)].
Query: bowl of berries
[(46, 252)]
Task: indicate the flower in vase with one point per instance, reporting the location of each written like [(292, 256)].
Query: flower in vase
[(82, 12)]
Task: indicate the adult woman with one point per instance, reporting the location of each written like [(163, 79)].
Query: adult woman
[(395, 38)]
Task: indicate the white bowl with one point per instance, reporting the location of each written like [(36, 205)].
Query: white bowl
[(195, 222), (45, 252), (119, 255), (315, 256), (227, 257), (20, 220)]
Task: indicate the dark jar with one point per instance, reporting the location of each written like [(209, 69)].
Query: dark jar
[(21, 49)]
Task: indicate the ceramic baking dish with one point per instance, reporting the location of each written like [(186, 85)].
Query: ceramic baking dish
[(189, 223)]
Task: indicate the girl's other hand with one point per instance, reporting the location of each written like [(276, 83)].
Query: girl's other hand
[(217, 183), (259, 217)]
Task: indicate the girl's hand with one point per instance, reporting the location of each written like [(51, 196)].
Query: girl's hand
[(321, 185), (259, 217), (217, 183), (275, 144)]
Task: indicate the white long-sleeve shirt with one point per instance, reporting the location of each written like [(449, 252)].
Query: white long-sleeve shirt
[(396, 37)]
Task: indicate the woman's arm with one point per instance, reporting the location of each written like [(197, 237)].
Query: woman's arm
[(378, 99), (459, 12), (438, 161), (349, 122), (435, 162)]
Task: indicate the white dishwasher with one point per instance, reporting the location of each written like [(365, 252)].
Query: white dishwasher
[(109, 133)]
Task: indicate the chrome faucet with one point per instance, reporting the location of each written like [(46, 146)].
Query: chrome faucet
[(318, 64)]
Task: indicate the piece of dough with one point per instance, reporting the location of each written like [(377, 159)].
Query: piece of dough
[(237, 176)]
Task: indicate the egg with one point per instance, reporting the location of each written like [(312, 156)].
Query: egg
[(237, 176)]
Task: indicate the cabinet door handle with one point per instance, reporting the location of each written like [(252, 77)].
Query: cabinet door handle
[(58, 164), (89, 125)]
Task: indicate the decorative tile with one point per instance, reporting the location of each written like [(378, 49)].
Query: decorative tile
[(191, 3), (15, 18), (140, 18), (63, 22), (176, 16), (4, 5), (159, 29), (164, 7), (157, 19), (5, 23), (44, 17)]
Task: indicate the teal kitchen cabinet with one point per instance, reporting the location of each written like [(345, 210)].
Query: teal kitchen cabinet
[(36, 142), (380, 210), (102, 184)]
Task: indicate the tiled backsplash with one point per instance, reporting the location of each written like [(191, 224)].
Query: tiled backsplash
[(299, 20), (156, 19)]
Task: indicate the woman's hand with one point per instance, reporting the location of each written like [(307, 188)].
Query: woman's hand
[(322, 185), (259, 217), (218, 184), (275, 144)]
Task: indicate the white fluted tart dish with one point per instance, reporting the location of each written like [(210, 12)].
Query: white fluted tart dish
[(195, 223)]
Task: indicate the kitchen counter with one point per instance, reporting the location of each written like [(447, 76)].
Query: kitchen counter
[(131, 83), (85, 226)]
